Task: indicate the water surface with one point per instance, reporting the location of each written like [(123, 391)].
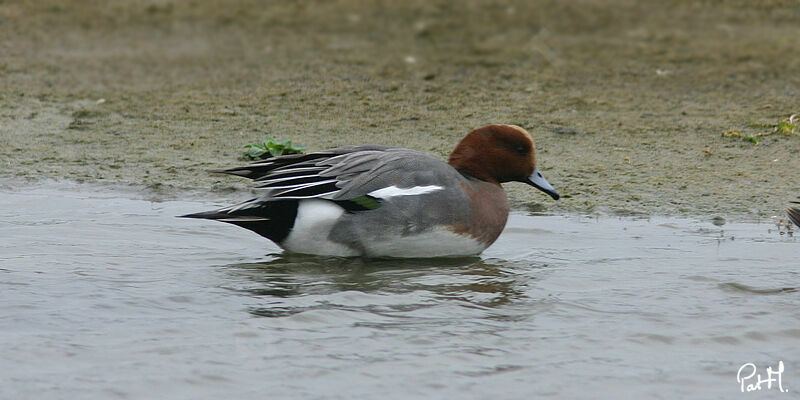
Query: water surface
[(105, 294)]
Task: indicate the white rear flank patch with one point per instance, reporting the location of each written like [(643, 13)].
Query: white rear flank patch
[(315, 219), (394, 191)]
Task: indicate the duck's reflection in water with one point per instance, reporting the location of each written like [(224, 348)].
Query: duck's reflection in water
[(291, 284)]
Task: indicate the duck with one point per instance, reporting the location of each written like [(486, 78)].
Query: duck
[(384, 201), (794, 213)]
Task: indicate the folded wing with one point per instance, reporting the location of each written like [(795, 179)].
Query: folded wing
[(345, 173)]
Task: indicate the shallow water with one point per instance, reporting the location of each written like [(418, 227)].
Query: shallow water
[(104, 294)]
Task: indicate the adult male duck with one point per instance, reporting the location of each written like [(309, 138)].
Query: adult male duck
[(794, 213), (381, 201)]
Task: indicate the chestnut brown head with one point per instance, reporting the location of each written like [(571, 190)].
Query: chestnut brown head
[(500, 153)]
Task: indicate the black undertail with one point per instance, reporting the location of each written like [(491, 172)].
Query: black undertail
[(272, 219)]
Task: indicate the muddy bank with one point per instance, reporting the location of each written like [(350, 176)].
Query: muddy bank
[(627, 100)]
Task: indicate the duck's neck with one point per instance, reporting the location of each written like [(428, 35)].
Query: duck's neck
[(466, 160)]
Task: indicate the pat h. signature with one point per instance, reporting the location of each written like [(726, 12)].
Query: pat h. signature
[(749, 381)]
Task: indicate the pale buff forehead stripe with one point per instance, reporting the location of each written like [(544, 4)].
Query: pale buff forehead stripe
[(518, 129), (523, 131)]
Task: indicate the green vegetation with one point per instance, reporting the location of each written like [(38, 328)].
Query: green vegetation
[(788, 126), (271, 147)]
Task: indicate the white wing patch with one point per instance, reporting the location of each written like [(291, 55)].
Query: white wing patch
[(394, 191)]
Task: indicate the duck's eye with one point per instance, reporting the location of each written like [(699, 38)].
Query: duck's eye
[(521, 150)]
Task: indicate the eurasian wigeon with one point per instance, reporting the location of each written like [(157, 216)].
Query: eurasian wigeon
[(794, 213), (381, 201)]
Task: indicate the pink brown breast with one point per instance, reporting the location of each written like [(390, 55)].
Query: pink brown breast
[(488, 211)]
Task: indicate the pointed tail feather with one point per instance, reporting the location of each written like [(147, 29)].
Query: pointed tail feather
[(226, 217), (273, 220)]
